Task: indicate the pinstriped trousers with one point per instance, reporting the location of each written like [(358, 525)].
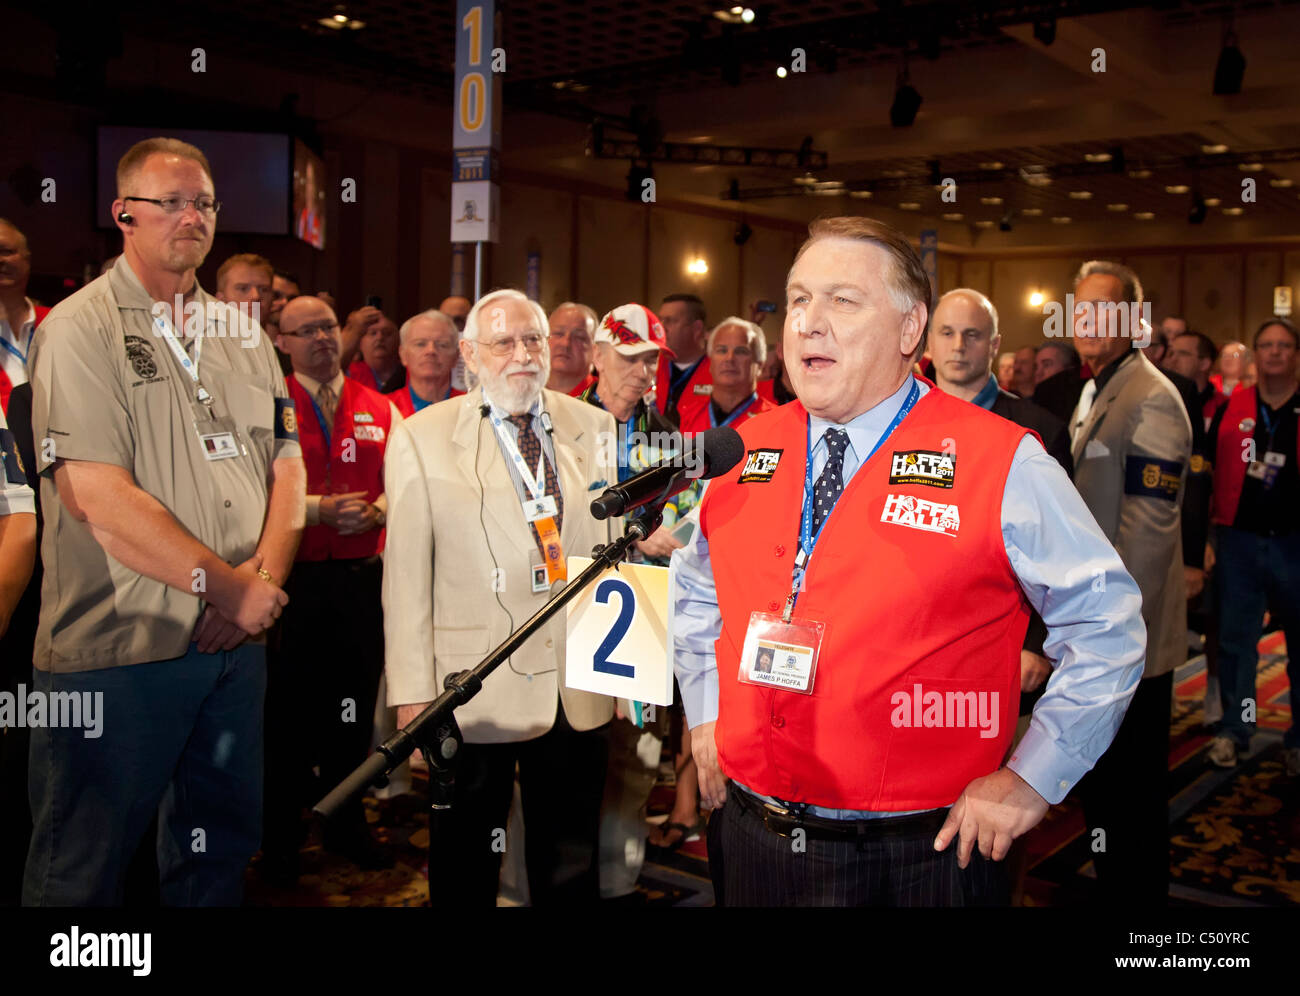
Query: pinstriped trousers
[(761, 868)]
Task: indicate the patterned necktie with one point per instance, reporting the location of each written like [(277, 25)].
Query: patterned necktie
[(530, 448), (328, 403), (831, 482)]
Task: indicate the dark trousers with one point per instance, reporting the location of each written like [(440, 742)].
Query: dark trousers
[(1255, 573), (762, 868), (327, 654), (180, 739), (561, 777), (1127, 797)]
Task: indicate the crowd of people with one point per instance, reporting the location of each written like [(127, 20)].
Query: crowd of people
[(253, 555)]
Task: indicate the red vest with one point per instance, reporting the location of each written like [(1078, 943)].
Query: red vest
[(920, 604), (1211, 407), (358, 370), (6, 385), (1229, 465), (362, 421), (699, 417), (694, 395), (402, 399)]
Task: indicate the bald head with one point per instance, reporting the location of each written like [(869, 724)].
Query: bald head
[(963, 341)]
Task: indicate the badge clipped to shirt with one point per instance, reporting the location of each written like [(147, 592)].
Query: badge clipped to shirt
[(219, 438), (536, 509), (1265, 471), (781, 654), (541, 583)]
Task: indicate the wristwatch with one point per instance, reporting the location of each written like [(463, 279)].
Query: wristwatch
[(380, 517)]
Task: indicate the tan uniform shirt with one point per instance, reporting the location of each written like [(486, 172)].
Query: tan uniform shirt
[(106, 388)]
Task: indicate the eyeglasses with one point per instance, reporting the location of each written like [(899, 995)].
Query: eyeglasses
[(310, 331), (506, 347), (203, 203)]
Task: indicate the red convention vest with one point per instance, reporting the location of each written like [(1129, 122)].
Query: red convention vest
[(695, 394), (920, 603), (362, 421), (6, 385), (1229, 467), (698, 419), (401, 398)]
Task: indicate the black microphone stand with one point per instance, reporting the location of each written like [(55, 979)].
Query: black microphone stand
[(435, 730)]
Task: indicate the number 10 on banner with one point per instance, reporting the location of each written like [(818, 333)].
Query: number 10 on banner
[(617, 641)]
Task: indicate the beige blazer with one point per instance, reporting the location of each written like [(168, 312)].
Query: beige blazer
[(458, 559), (1136, 420)]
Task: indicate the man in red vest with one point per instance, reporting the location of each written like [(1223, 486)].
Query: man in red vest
[(1256, 494), (886, 542), (572, 327), (684, 381), (429, 343), (328, 653), (19, 315), (735, 350)]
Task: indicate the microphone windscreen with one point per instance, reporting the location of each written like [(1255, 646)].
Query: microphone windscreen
[(722, 448)]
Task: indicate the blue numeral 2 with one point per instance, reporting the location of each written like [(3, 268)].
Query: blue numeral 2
[(627, 601)]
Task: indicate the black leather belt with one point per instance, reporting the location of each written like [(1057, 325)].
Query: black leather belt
[(784, 821)]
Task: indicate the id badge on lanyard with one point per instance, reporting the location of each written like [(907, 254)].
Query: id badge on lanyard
[(1266, 470), (540, 508), (218, 436), (781, 651)]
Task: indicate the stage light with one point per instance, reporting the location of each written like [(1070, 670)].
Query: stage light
[(1045, 30), (1196, 215), (906, 103)]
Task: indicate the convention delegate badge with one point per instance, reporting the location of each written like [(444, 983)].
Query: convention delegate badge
[(536, 509), (781, 654), (617, 635), (218, 437)]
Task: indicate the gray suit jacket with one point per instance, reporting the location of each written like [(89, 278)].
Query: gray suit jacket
[(458, 542), (1130, 465)]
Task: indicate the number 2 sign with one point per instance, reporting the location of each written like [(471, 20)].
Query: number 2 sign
[(617, 641)]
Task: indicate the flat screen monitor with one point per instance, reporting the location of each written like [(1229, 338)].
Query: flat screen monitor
[(308, 195)]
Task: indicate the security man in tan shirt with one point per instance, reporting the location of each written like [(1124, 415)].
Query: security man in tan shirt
[(172, 490)]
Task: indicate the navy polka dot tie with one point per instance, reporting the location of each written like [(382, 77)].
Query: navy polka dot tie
[(831, 482)]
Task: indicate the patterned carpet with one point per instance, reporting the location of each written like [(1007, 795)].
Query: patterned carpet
[(1234, 834)]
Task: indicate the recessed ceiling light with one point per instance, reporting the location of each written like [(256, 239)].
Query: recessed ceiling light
[(860, 193), (1061, 219), (807, 179), (1116, 207), (1031, 212), (1233, 211), (1212, 202), (992, 201), (1214, 150), (1176, 188), (895, 174), (1144, 215), (991, 164), (909, 206), (984, 223), (1098, 157), (1250, 167), (953, 216), (337, 22), (1080, 195), (1139, 174), (1280, 181)]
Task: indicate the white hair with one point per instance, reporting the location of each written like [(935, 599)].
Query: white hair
[(588, 313), (978, 298), (753, 336), (471, 330), (433, 315), (1132, 285)]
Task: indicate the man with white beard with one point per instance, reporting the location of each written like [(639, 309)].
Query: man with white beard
[(487, 496)]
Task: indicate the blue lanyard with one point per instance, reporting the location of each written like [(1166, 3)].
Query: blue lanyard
[(320, 417), (713, 419), (808, 539), (15, 350), (678, 379)]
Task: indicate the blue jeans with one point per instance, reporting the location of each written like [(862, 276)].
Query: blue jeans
[(1254, 574), (180, 738)]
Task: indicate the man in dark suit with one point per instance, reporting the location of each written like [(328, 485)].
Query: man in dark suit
[(964, 340)]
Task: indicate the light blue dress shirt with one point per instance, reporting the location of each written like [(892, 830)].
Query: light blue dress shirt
[(1069, 573), (548, 448)]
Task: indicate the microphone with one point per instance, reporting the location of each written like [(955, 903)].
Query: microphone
[(713, 452)]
